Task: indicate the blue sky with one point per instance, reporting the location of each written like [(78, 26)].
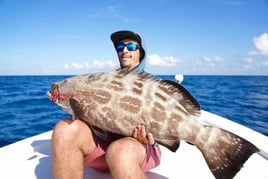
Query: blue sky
[(205, 37)]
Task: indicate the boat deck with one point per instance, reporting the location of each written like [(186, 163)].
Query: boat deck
[(31, 157)]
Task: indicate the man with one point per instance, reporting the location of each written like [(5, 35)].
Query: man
[(74, 144)]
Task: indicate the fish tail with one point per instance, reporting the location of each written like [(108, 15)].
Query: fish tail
[(224, 152)]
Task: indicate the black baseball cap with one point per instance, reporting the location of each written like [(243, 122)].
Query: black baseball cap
[(118, 36)]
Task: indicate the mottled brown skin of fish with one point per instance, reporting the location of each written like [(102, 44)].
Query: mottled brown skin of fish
[(119, 100)]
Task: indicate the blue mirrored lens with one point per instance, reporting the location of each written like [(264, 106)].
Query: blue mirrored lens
[(130, 47), (120, 47)]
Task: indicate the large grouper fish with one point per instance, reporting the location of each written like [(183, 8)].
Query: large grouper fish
[(119, 100)]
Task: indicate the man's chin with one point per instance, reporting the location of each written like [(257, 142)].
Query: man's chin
[(125, 63)]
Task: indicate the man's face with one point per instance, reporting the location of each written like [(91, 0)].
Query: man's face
[(127, 58)]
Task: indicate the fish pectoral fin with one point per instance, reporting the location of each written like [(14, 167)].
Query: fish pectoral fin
[(172, 145)]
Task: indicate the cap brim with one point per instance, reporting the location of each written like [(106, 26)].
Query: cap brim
[(116, 37)]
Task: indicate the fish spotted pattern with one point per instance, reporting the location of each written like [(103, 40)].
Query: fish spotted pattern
[(119, 100)]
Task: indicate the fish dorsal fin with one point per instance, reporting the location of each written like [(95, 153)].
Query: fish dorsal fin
[(184, 97), (175, 90)]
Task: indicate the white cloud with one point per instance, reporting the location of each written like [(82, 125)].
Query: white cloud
[(207, 59), (168, 61), (247, 67), (215, 59), (96, 64), (253, 53), (218, 59), (265, 63), (248, 60), (72, 66), (213, 62), (196, 63), (261, 45), (102, 64)]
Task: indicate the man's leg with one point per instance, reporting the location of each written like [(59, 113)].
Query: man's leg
[(125, 158), (71, 141)]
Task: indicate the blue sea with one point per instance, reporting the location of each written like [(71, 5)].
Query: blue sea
[(25, 109)]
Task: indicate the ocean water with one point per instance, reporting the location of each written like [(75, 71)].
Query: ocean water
[(25, 109)]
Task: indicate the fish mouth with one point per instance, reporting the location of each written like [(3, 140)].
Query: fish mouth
[(54, 94), (57, 101)]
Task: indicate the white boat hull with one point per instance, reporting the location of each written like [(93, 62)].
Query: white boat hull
[(31, 158)]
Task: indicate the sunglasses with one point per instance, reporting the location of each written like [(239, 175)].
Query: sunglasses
[(130, 46)]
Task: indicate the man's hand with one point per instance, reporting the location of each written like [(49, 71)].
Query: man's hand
[(139, 133)]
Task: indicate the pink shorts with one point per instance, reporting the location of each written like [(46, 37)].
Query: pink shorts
[(97, 159)]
